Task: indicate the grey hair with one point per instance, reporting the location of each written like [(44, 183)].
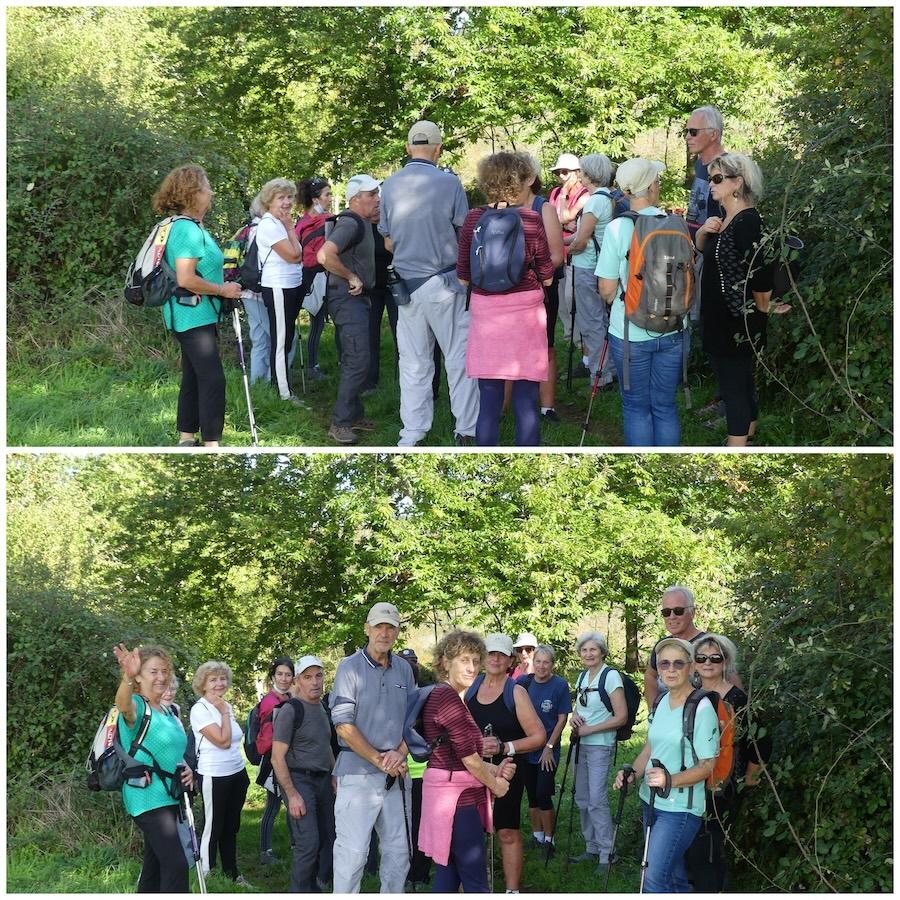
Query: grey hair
[(597, 168), (212, 667), (544, 648), (739, 164), (257, 210), (594, 636), (726, 646), (532, 161), (712, 117), (686, 592)]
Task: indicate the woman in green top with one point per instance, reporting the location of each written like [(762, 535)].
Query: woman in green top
[(197, 260), (677, 781), (146, 675)]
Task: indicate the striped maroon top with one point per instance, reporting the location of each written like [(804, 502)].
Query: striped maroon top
[(537, 251), (445, 711)]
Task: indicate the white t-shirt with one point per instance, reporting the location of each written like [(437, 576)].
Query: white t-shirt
[(276, 272), (213, 760)]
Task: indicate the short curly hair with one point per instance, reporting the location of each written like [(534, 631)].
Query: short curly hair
[(212, 667), (271, 189), (452, 645), (179, 189), (151, 651), (503, 175)]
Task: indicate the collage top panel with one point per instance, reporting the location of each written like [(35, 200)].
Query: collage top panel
[(449, 227)]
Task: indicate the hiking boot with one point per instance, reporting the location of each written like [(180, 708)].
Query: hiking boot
[(294, 400), (464, 440), (242, 882), (551, 417), (363, 425), (342, 434), (581, 371), (268, 858), (584, 857), (549, 849), (315, 374), (193, 443)]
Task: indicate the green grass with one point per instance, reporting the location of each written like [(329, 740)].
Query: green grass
[(104, 376), (63, 839)]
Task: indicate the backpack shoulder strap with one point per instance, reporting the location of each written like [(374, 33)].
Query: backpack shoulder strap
[(472, 691), (601, 687), (509, 695)]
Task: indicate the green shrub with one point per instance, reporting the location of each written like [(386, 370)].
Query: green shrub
[(60, 663)]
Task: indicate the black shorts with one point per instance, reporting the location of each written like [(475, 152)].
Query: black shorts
[(508, 809), (551, 304), (540, 786)]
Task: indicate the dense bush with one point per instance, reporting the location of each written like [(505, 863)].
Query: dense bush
[(820, 612), (62, 675)]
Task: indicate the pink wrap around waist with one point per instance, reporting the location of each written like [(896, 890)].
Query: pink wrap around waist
[(440, 792)]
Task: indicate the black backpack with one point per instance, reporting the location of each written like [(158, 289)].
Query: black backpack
[(632, 700), (251, 732)]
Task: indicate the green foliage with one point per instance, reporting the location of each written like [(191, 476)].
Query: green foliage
[(59, 660)]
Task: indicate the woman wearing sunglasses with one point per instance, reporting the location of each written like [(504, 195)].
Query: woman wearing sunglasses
[(736, 286), (715, 662), (595, 725), (677, 811)]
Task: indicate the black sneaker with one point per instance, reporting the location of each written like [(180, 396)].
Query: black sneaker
[(551, 417), (464, 440), (581, 371), (549, 849)]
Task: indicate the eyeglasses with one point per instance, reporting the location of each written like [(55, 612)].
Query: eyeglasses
[(677, 664), (712, 657), (693, 132), (674, 610), (718, 178)]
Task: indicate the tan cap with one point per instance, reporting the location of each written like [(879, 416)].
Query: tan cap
[(383, 612), (424, 133), (501, 643), (681, 643), (636, 175)]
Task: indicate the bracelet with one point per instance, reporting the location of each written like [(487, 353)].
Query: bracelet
[(549, 745), (510, 749)]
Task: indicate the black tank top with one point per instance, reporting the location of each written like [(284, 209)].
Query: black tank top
[(505, 725)]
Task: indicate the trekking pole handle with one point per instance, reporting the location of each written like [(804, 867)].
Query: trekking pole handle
[(667, 788)]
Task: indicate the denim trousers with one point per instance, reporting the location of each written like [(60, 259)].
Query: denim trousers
[(671, 834), (648, 406)]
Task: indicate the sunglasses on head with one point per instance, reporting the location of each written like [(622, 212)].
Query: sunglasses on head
[(677, 664), (711, 657), (693, 132), (675, 610), (718, 178)]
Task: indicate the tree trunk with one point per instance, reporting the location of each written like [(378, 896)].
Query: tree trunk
[(631, 640)]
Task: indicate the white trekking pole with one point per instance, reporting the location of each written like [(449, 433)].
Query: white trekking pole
[(236, 322)]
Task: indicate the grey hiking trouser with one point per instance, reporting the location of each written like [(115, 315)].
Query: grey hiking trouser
[(351, 318), (592, 799), (591, 318), (312, 834)]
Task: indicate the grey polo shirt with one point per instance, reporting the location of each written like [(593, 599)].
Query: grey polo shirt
[(374, 699), (421, 210)]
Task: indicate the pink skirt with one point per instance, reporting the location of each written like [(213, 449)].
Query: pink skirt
[(508, 336)]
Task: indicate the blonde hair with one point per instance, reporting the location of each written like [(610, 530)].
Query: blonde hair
[(212, 667), (271, 189), (738, 164)]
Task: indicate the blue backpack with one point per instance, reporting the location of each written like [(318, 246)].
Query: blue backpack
[(497, 255), (509, 685), (621, 205)]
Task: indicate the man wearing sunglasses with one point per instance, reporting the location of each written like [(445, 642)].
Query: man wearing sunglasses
[(703, 135), (678, 617)]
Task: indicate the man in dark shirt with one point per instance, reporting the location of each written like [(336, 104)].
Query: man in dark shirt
[(348, 255), (302, 761), (703, 135)]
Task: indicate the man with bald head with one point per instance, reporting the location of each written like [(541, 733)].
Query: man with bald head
[(422, 210), (678, 616)]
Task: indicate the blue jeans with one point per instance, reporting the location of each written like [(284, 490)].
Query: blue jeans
[(670, 836), (654, 372)]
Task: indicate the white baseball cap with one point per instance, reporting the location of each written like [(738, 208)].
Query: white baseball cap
[(567, 161), (305, 662), (383, 612), (360, 183), (502, 643), (526, 639), (635, 175)]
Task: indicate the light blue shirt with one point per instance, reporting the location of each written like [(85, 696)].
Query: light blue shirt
[(593, 710), (613, 263), (600, 207)]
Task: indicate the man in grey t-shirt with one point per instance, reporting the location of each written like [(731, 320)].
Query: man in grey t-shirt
[(302, 761), (422, 210), (368, 708), (348, 255)]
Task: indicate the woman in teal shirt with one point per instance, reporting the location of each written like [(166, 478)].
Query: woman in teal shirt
[(197, 260), (678, 810), (146, 676)]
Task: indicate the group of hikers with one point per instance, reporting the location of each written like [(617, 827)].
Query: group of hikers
[(423, 771), (481, 290)]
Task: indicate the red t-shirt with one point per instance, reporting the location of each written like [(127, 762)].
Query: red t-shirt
[(444, 711)]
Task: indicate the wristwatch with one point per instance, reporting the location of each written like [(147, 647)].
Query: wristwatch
[(549, 745)]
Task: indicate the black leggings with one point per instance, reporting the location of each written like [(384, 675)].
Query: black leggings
[(201, 400), (735, 375), (165, 868), (524, 404), (223, 800), (267, 822), (283, 307), (540, 786)]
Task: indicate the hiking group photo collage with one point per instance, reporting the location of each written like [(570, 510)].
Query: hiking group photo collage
[(449, 448)]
